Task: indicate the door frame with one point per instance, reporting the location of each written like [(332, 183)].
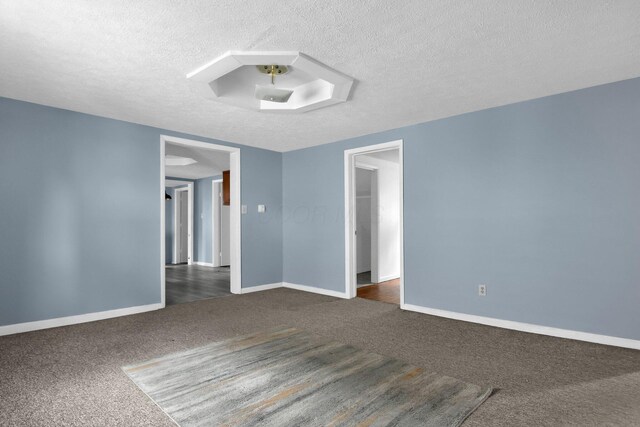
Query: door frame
[(350, 213), (216, 206), (188, 188), (236, 201)]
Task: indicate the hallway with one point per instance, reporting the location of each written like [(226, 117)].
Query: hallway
[(388, 291), (187, 283)]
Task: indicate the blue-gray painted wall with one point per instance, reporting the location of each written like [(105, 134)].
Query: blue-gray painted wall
[(80, 215), (538, 200)]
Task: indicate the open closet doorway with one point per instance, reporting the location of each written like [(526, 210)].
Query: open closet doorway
[(373, 225), (200, 234)]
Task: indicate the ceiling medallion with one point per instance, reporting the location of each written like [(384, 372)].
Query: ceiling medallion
[(296, 82)]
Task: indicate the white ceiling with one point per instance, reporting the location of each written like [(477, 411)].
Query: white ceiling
[(209, 162), (173, 183), (413, 60), (392, 155)]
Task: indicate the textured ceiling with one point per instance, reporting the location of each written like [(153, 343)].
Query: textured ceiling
[(173, 183), (209, 162), (413, 61)]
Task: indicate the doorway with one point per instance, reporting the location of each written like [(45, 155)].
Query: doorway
[(183, 214), (373, 223), (221, 227), (205, 272)]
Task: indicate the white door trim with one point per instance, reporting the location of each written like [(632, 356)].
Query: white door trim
[(236, 201), (350, 219), (176, 209), (215, 221)]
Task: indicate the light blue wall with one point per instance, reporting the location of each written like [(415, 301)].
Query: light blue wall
[(539, 200), (80, 216), (262, 232)]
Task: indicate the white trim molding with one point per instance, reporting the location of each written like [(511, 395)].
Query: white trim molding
[(74, 320), (236, 202), (204, 264), (163, 226), (216, 205), (389, 277), (315, 290), (260, 288), (295, 286), (350, 213), (527, 327)]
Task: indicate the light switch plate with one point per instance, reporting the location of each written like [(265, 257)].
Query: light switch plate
[(262, 208), (244, 209)]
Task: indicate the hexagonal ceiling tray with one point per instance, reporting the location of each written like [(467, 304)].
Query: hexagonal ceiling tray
[(232, 78)]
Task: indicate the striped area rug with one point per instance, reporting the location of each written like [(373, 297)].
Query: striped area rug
[(288, 377)]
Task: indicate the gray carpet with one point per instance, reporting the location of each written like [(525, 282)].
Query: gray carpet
[(73, 376), (288, 377)]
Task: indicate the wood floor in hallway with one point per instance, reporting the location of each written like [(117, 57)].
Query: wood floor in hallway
[(388, 291), (187, 283)]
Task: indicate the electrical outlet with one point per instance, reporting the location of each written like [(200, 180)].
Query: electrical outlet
[(482, 290)]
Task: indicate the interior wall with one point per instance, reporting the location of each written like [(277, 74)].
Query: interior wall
[(537, 200), (84, 194)]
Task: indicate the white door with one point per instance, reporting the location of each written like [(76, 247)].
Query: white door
[(225, 235), (183, 227), (215, 208), (363, 220)]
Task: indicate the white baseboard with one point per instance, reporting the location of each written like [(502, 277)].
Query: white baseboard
[(528, 327), (261, 288), (73, 320), (314, 290), (304, 288), (204, 264), (388, 277)]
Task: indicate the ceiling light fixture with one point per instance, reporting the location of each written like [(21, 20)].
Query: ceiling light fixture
[(271, 93), (309, 84)]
